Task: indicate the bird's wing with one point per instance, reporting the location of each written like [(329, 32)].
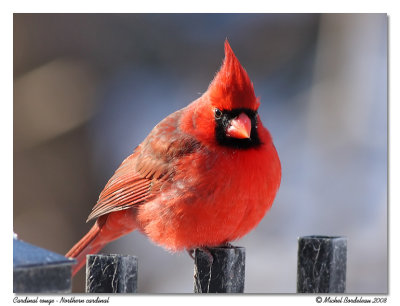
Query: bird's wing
[(141, 175)]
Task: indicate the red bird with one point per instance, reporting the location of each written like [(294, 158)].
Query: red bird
[(204, 176)]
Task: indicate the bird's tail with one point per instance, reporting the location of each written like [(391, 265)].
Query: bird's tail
[(89, 244), (106, 229)]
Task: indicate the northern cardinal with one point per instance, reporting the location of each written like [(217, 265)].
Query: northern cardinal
[(204, 176)]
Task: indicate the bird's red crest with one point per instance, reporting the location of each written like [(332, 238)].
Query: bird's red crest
[(231, 87)]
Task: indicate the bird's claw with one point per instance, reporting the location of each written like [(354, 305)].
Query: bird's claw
[(206, 251)]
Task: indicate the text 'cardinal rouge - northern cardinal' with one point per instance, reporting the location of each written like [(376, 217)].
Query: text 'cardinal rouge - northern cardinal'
[(204, 176)]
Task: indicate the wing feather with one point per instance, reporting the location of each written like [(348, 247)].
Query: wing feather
[(141, 175)]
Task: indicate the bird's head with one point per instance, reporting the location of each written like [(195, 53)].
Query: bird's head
[(227, 111)]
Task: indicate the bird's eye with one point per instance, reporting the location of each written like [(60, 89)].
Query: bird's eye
[(217, 113)]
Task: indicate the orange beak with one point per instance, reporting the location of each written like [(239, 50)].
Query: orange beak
[(240, 127)]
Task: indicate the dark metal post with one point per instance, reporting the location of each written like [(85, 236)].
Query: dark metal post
[(111, 273), (321, 264), (37, 270), (221, 270)]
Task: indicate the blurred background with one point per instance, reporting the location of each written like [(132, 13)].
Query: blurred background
[(88, 88)]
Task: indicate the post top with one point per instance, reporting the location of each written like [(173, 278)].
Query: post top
[(28, 255)]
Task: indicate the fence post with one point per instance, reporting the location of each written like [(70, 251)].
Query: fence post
[(111, 273), (37, 270), (321, 264), (222, 272)]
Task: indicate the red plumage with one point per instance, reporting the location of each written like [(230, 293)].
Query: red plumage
[(204, 176)]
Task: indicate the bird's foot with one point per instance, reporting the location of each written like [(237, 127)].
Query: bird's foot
[(206, 251), (210, 257), (191, 253), (227, 245)]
